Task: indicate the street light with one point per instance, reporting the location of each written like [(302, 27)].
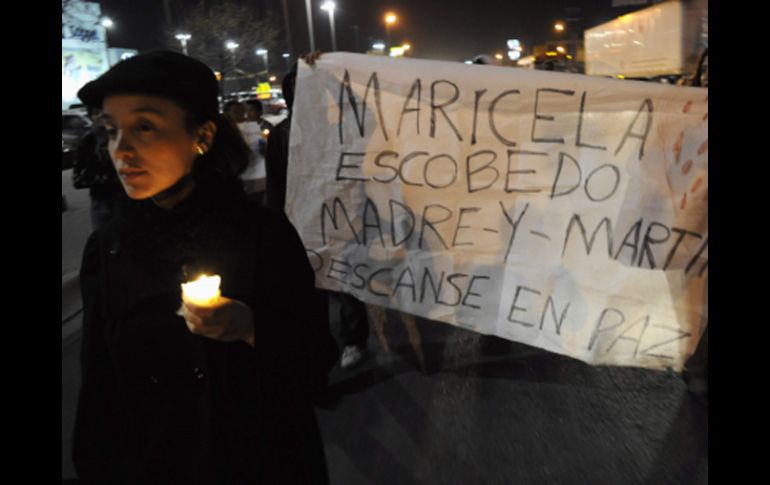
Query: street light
[(390, 19), (560, 28), (231, 46), (183, 38), (263, 53), (329, 7), (107, 23)]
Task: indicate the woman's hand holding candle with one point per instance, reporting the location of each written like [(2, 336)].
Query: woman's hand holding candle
[(211, 315)]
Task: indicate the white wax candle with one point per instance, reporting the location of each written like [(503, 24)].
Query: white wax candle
[(202, 292)]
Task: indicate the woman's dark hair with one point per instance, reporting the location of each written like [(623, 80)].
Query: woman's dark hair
[(229, 154)]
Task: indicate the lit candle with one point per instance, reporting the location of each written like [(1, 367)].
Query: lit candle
[(202, 292)]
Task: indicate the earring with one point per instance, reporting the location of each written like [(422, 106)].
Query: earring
[(200, 151)]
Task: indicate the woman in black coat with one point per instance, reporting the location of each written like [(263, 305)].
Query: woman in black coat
[(174, 393)]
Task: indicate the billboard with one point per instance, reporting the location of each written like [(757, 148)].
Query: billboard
[(84, 48)]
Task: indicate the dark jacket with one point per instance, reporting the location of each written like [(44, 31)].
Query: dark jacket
[(161, 405)]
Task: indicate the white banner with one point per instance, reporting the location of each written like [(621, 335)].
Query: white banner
[(561, 211)]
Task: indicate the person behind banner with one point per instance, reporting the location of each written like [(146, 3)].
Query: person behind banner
[(353, 317), (174, 391), (277, 150)]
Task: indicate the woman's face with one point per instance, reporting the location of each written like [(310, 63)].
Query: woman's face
[(148, 142)]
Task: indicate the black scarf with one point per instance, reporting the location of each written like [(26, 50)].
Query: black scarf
[(211, 217)]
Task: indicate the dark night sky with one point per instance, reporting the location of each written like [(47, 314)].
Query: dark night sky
[(437, 29)]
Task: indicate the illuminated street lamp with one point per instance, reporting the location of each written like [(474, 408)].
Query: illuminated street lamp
[(107, 23), (390, 19), (263, 53), (560, 28), (183, 38), (514, 49), (329, 7), (231, 46)]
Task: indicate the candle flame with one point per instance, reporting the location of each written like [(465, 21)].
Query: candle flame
[(202, 292)]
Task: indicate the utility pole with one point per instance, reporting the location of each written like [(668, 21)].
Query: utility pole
[(310, 25), (355, 36), (287, 26), (167, 11), (575, 34), (223, 71)]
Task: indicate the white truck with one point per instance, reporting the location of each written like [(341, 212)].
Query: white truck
[(661, 41)]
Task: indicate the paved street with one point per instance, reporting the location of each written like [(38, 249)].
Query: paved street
[(455, 407), (490, 411), (76, 227)]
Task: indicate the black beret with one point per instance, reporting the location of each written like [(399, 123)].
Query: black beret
[(158, 73)]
